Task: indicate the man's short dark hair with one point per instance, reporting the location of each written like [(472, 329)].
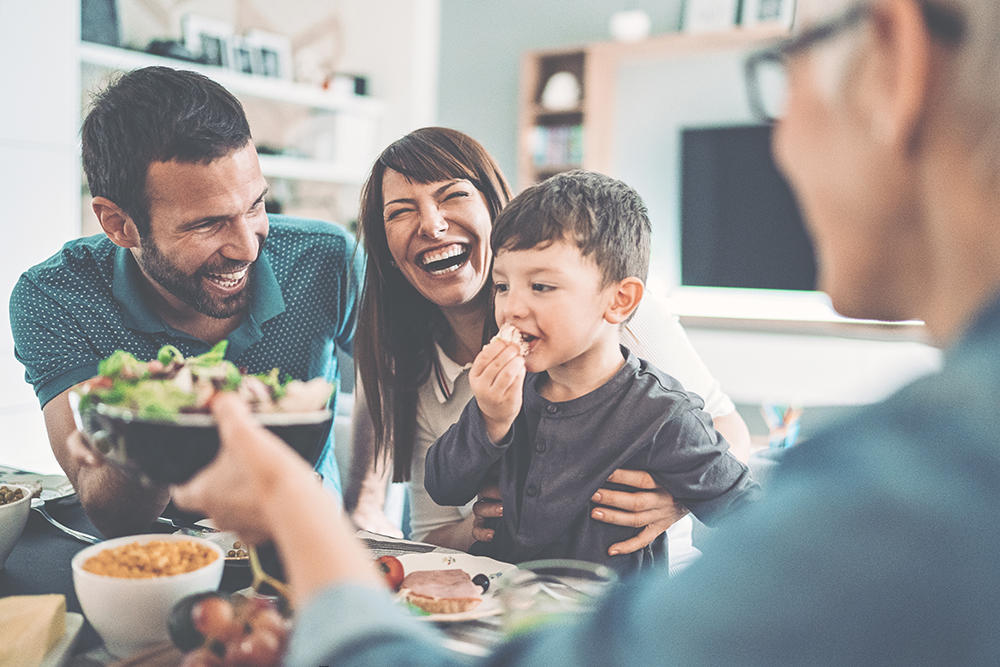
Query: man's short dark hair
[(156, 114), (602, 215)]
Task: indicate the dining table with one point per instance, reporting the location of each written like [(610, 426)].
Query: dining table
[(40, 564)]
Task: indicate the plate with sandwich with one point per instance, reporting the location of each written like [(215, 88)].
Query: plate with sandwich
[(450, 587)]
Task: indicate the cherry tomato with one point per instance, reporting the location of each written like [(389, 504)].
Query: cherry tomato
[(392, 569)]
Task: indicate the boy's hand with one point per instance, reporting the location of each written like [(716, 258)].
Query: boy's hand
[(496, 379)]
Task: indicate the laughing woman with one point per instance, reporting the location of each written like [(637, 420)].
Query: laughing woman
[(426, 214)]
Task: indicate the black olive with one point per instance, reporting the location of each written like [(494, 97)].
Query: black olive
[(482, 580), (182, 631)]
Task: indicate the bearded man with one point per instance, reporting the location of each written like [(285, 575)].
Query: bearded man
[(188, 257)]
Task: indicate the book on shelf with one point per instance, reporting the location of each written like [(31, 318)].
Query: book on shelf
[(557, 145)]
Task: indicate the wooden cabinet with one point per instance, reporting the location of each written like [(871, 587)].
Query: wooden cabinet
[(581, 136), (551, 136)]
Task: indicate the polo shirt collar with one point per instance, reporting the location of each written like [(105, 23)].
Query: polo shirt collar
[(266, 302), (446, 372), (126, 285)]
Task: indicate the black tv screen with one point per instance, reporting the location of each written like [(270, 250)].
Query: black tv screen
[(740, 224)]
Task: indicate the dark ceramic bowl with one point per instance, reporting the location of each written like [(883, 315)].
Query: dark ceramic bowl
[(172, 451)]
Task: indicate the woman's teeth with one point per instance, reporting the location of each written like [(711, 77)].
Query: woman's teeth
[(445, 260)]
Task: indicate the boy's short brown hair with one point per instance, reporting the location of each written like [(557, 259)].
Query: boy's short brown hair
[(604, 217)]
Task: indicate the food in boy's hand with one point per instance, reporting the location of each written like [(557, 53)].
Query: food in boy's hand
[(392, 570), (510, 334), (172, 384), (441, 591), (227, 631)]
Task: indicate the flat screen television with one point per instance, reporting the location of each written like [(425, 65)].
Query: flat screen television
[(740, 224)]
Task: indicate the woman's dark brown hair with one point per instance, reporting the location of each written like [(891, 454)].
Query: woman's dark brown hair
[(394, 342)]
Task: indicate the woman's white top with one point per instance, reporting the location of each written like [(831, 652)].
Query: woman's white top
[(653, 334)]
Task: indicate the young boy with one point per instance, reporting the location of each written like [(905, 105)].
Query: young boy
[(564, 404)]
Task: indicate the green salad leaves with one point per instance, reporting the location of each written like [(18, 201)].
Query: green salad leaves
[(172, 384)]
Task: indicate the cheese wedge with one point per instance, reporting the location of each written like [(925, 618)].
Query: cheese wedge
[(30, 626)]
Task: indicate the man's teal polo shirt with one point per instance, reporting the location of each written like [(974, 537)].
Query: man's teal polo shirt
[(85, 302)]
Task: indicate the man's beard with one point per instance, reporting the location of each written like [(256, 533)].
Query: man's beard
[(189, 288)]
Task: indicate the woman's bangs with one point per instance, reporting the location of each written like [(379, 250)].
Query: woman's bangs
[(428, 165)]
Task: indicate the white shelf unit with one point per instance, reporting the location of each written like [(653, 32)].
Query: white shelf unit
[(278, 90), (303, 169)]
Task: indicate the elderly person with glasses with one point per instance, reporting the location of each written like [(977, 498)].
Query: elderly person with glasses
[(877, 543)]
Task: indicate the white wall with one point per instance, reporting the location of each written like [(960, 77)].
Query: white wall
[(39, 119), (654, 100), (396, 44), (805, 370)]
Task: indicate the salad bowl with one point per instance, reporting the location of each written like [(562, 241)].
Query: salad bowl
[(151, 418), (172, 450)]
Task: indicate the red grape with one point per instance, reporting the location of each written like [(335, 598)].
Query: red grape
[(271, 621), (214, 618), (258, 649)]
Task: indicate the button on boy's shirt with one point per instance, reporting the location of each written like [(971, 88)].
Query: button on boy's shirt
[(558, 454), (85, 302)]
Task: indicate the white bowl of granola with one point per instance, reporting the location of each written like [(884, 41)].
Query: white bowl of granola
[(128, 586)]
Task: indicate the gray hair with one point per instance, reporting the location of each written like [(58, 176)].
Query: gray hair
[(970, 92)]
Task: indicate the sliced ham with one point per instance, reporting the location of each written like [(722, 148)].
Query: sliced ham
[(441, 591)]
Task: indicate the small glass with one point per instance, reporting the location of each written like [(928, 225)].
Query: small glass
[(546, 591)]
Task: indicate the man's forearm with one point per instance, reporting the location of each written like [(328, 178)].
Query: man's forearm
[(114, 503), (117, 505)]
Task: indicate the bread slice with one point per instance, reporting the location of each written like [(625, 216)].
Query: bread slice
[(442, 605)]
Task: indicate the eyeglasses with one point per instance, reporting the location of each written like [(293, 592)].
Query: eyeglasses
[(766, 70)]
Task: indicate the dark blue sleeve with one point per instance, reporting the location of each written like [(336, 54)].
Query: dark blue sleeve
[(457, 464), (691, 460)]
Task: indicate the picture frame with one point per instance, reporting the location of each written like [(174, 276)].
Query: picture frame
[(709, 15), (211, 39), (272, 53), (243, 56), (768, 12)]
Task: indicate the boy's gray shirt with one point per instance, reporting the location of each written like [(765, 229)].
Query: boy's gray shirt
[(557, 455)]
